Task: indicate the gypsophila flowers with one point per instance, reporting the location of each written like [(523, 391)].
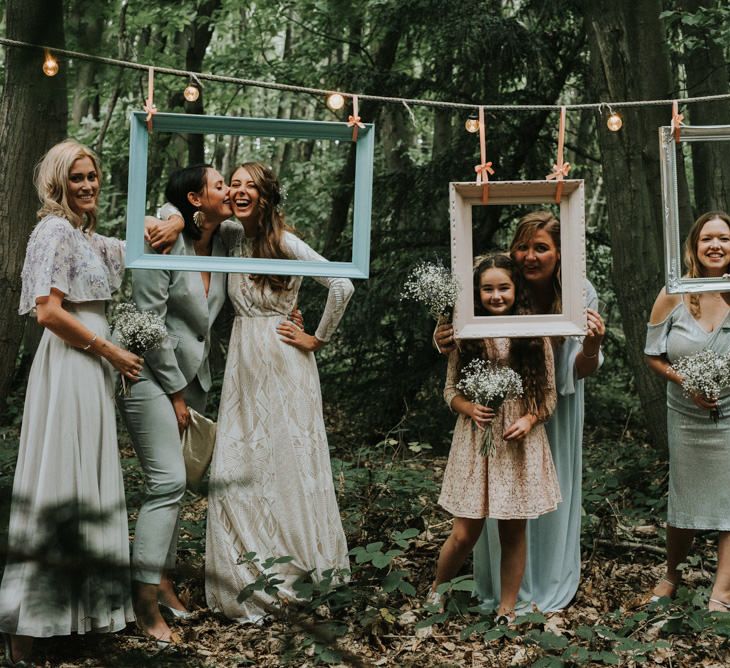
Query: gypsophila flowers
[(489, 384), (705, 373), (434, 286), (138, 331)]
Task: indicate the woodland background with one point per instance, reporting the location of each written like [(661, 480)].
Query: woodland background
[(381, 378)]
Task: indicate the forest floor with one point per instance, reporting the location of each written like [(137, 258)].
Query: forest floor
[(387, 494)]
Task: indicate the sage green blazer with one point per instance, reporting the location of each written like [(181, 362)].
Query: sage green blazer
[(179, 298)]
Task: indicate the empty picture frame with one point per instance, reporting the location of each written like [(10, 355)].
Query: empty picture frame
[(572, 321), (673, 247), (358, 267)]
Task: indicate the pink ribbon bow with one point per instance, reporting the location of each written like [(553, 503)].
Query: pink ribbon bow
[(354, 121), (483, 171), (559, 171)]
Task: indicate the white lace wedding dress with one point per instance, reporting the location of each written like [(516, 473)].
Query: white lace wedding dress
[(271, 488)]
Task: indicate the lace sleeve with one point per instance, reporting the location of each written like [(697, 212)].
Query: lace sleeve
[(111, 251), (450, 389), (340, 289)]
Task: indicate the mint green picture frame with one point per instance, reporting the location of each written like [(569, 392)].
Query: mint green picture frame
[(136, 258)]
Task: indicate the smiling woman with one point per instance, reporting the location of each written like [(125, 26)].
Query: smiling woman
[(699, 483)]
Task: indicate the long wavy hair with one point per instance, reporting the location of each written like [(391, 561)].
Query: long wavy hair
[(191, 179), (526, 355), (529, 225), (692, 259), (52, 178), (268, 241)]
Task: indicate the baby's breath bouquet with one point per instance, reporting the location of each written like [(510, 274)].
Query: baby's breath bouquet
[(434, 286), (138, 331), (489, 384), (705, 373)]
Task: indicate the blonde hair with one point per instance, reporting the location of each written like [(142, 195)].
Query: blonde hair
[(692, 260), (51, 182), (530, 224)]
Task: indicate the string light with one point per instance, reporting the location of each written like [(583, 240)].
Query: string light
[(472, 123), (614, 121), (50, 65), (191, 92), (335, 101)]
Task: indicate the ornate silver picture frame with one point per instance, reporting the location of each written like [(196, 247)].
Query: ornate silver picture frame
[(673, 247)]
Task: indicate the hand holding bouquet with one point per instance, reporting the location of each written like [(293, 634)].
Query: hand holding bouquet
[(139, 331), (705, 374), (489, 384)]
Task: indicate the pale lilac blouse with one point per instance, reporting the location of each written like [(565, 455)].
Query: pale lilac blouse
[(84, 267)]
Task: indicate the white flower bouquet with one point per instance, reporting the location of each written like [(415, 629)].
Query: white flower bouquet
[(434, 286), (489, 384), (138, 331), (705, 373)]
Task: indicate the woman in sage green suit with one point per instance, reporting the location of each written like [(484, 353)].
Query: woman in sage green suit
[(174, 377)]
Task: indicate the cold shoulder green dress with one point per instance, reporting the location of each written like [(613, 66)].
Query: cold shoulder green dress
[(699, 449)]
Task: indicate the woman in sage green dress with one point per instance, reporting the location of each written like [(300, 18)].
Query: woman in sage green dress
[(552, 571), (699, 449)]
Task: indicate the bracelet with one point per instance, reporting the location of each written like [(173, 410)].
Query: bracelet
[(590, 357), (91, 343)]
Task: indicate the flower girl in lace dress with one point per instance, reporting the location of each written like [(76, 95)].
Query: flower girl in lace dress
[(516, 480)]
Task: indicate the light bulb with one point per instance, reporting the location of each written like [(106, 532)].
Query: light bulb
[(191, 93), (472, 124), (50, 65), (335, 101), (614, 122)]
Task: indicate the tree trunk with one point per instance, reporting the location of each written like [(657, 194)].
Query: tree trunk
[(199, 38), (629, 61), (33, 117), (89, 34), (707, 74)]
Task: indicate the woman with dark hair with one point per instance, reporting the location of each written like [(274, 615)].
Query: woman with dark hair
[(174, 377), (552, 572), (271, 488), (699, 484)]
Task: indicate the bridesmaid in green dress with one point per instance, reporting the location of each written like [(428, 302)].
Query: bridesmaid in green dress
[(699, 449), (552, 572)]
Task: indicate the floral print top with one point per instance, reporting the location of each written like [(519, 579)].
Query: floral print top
[(84, 267)]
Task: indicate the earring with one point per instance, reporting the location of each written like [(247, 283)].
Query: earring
[(198, 218)]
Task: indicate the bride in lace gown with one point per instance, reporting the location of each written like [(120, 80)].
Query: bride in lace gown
[(271, 488)]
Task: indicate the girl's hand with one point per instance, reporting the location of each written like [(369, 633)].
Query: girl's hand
[(182, 414), (297, 337), (701, 401), (128, 364), (444, 338), (482, 415), (520, 428)]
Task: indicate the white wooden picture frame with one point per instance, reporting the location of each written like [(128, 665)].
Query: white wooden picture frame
[(673, 246), (572, 321)]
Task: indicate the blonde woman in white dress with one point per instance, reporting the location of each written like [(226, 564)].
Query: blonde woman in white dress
[(68, 495), (271, 488)]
